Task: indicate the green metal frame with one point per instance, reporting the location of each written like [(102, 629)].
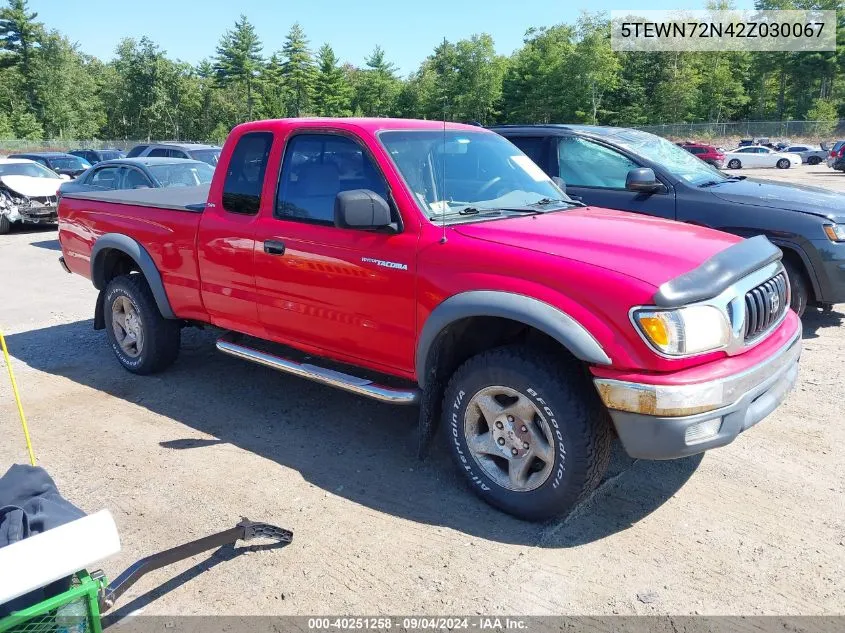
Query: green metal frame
[(40, 617)]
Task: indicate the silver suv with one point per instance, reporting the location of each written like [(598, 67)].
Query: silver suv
[(206, 153)]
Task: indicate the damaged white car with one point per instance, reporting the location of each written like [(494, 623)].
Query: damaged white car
[(27, 193)]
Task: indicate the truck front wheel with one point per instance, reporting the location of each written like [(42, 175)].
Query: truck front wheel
[(143, 340), (527, 430)]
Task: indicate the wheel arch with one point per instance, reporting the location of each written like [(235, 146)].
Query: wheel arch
[(794, 252), (114, 254), (516, 308)]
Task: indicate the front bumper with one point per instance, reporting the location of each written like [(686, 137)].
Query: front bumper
[(670, 421), (39, 215)]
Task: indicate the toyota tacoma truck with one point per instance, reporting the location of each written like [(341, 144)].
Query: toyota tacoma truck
[(431, 264)]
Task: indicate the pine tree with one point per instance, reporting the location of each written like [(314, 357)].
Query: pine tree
[(298, 71), (377, 87), (239, 59), (275, 94), (332, 92), (20, 36)]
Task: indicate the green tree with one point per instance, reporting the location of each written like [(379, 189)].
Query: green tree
[(595, 68), (66, 91), (275, 95), (332, 92), (239, 60), (826, 113), (20, 36), (5, 127), (298, 71), (534, 88), (377, 86), (25, 125)]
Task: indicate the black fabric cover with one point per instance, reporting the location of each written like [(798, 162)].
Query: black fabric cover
[(31, 504)]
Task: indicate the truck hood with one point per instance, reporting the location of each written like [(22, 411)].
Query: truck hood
[(650, 249), (823, 203), (32, 187)]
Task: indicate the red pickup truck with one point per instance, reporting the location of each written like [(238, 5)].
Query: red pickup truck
[(436, 265)]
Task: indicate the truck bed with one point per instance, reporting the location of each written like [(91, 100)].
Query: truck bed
[(190, 199)]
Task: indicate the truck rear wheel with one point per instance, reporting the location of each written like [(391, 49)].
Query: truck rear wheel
[(143, 340), (527, 430), (5, 225)]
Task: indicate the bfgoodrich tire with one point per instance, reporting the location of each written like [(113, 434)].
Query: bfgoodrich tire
[(143, 340), (527, 430)]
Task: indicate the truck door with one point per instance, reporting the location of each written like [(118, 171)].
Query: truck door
[(595, 174), (226, 235), (344, 292)]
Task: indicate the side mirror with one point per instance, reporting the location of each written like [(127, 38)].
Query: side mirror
[(642, 180), (361, 209)]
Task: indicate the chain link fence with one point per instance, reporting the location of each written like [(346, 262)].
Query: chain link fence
[(794, 130), (11, 146), (814, 131)]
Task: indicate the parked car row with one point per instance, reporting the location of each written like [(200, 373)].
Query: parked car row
[(32, 183)]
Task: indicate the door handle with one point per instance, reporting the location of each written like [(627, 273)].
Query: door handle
[(274, 247)]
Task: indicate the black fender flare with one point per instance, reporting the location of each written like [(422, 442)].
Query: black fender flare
[(793, 247), (491, 303), (140, 256)]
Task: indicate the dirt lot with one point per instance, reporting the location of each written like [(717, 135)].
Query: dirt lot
[(755, 527)]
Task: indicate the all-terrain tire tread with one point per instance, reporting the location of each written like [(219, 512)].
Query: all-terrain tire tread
[(593, 425), (163, 336)]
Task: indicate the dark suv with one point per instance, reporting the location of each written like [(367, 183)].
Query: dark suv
[(636, 171)]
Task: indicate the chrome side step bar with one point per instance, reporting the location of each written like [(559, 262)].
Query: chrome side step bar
[(353, 384)]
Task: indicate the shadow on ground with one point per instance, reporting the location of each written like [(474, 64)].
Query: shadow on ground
[(352, 447), (815, 319), (50, 245)]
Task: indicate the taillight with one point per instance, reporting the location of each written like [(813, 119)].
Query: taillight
[(842, 151)]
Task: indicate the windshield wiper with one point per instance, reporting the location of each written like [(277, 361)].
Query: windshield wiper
[(710, 183), (547, 201)]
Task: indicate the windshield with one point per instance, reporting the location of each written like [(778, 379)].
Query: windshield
[(209, 156), (69, 162), (457, 174), (676, 160), (33, 170), (182, 174)]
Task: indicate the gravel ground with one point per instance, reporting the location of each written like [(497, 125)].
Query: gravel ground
[(757, 527)]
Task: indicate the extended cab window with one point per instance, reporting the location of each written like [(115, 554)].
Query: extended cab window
[(245, 175), (583, 163), (315, 169)]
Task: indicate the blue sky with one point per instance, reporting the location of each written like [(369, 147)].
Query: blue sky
[(408, 31)]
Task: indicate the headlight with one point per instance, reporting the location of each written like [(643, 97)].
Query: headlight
[(685, 331), (835, 232)]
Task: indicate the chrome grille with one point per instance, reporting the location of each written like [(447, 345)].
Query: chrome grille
[(765, 305)]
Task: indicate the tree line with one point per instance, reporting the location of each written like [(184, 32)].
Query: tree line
[(50, 88)]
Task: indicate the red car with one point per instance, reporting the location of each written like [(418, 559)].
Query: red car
[(707, 153), (438, 265)]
